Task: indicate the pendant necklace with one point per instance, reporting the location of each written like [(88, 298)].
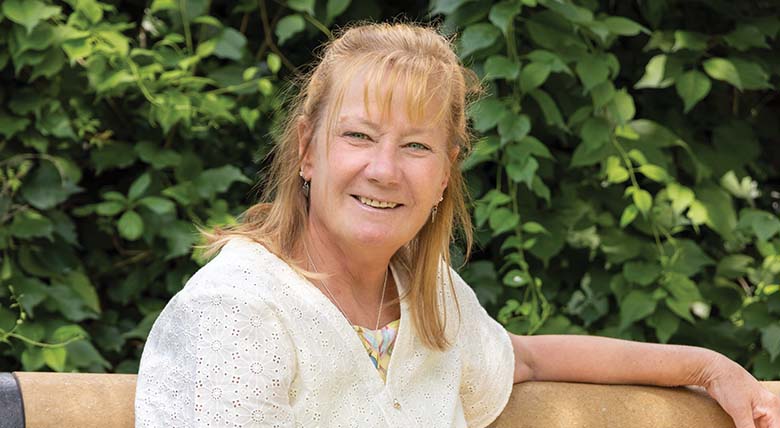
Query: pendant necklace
[(333, 298)]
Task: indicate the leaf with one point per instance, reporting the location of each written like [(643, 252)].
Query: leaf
[(733, 266), (622, 107), (274, 62), (45, 188), (28, 13), (335, 8), (486, 113), (81, 284), (477, 37), (722, 69), (139, 186), (628, 216), (660, 72), (616, 173), (642, 200), (636, 305), (770, 340), (642, 273), (552, 116), (592, 72), (623, 26), (501, 67), (218, 180), (446, 7), (31, 224), (654, 172), (158, 157), (523, 171), (10, 125), (533, 75), (689, 40), (665, 324), (692, 87), (55, 358), (502, 14), (289, 26), (745, 37), (751, 75), (130, 225), (230, 44), (534, 227), (569, 11), (513, 127), (158, 205), (762, 223), (516, 278), (109, 208), (306, 6), (502, 220)]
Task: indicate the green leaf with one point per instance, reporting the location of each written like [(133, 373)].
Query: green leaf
[(477, 37), (770, 340), (288, 27), (762, 223), (486, 113), (628, 216), (623, 26), (642, 200), (28, 13), (602, 93), (306, 6), (446, 7), (665, 324), (689, 40), (218, 180), (571, 12), (274, 62), (616, 173), (230, 44), (503, 220), (552, 116), (139, 186), (513, 127), (501, 67), (745, 37), (158, 157), (622, 108), (109, 208), (516, 278), (692, 87), (335, 8), (636, 305), (595, 131), (751, 75), (55, 358), (533, 75), (81, 284), (723, 69), (502, 14), (660, 72), (130, 225), (10, 125), (719, 209), (523, 171), (654, 172), (733, 266), (31, 224), (642, 273), (45, 188), (592, 71), (534, 227), (158, 205)]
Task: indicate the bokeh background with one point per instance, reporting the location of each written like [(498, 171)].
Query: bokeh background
[(624, 174)]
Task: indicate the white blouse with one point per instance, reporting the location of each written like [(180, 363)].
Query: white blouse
[(249, 342)]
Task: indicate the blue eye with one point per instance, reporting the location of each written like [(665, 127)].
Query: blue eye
[(358, 135), (418, 146)]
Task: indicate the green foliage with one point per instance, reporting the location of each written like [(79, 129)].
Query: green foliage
[(121, 128), (623, 177)]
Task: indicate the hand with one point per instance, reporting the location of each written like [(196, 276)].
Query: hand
[(748, 403)]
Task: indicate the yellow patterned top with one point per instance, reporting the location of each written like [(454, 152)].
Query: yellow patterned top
[(379, 344)]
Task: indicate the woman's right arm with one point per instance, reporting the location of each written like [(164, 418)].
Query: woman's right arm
[(215, 357)]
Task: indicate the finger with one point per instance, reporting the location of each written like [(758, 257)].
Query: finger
[(743, 418)]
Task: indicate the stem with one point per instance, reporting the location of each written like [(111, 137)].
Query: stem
[(186, 23)]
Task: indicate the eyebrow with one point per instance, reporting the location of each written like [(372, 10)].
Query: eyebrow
[(374, 127)]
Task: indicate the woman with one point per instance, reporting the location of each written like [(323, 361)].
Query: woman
[(351, 257)]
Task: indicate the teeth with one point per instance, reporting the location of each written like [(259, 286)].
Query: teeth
[(377, 204)]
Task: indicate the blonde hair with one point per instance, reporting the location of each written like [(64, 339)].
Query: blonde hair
[(423, 61)]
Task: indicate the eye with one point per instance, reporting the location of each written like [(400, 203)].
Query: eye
[(418, 146), (358, 135)]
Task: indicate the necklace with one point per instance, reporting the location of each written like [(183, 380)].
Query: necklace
[(333, 298)]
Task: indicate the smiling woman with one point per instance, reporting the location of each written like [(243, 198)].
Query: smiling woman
[(333, 303)]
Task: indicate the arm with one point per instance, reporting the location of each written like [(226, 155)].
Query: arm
[(604, 360)]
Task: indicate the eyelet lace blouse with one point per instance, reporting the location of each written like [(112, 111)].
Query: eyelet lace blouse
[(249, 342)]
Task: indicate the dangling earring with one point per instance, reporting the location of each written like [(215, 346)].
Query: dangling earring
[(435, 210), (305, 185)]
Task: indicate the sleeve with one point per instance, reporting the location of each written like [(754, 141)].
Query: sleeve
[(216, 359), (487, 357)]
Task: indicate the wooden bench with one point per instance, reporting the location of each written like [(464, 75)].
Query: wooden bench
[(80, 400)]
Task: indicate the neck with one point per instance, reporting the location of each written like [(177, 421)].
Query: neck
[(355, 275)]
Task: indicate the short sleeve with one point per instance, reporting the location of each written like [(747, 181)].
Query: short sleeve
[(487, 359), (215, 358)]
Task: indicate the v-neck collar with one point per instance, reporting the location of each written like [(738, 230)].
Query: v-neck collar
[(348, 334)]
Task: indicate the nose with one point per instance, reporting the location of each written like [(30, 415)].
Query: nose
[(383, 168)]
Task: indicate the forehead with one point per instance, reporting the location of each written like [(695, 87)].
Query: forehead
[(401, 95)]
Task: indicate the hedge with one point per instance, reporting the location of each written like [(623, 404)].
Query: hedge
[(624, 177)]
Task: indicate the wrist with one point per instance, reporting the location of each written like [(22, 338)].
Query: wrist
[(707, 368)]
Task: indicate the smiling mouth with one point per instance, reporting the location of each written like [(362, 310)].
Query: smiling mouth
[(373, 203)]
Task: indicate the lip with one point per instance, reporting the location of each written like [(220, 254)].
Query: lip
[(356, 198)]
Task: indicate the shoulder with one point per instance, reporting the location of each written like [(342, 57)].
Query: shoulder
[(242, 268)]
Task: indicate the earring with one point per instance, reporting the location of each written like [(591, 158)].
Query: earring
[(435, 210), (305, 186)]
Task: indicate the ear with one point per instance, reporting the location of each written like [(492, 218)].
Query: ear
[(453, 157), (304, 131)]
